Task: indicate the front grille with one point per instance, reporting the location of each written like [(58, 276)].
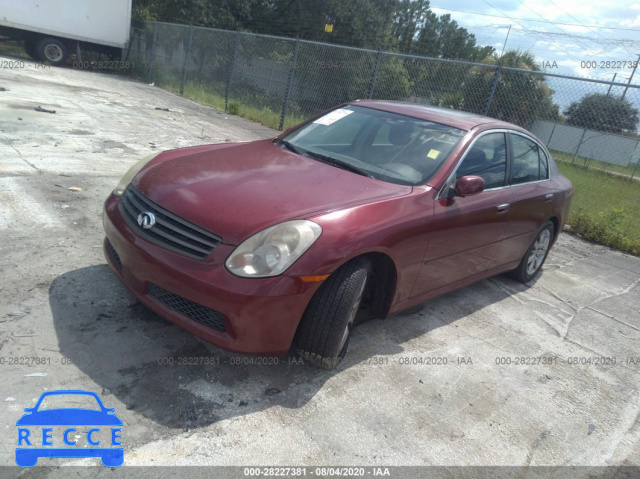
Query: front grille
[(169, 231), (188, 308), (114, 255)]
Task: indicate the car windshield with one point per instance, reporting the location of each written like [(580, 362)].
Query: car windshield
[(66, 401), (383, 145)]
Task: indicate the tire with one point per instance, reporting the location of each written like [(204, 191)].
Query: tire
[(53, 51), (323, 334), (113, 458), (536, 254), (26, 458), (32, 50)]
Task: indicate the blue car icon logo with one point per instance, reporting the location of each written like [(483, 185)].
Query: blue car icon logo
[(104, 428)]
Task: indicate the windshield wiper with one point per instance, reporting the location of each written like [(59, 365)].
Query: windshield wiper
[(289, 146), (339, 164), (325, 159)]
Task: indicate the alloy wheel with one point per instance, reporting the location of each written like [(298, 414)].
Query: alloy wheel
[(538, 252), (352, 317)]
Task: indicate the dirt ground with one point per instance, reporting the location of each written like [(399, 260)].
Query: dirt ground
[(540, 375)]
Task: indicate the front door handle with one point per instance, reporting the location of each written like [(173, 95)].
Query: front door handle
[(503, 207), (548, 198)]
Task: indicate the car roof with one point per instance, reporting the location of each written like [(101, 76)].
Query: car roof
[(445, 116), (68, 392)]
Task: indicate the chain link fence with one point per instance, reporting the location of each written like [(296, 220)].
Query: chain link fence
[(590, 126), (280, 82)]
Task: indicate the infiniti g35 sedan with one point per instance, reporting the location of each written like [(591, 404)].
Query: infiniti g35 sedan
[(361, 212)]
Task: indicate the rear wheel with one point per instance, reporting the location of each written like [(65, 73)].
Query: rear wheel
[(536, 255), (113, 458), (323, 335), (53, 51)]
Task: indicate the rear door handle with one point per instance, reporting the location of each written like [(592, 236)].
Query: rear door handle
[(503, 207), (548, 197)]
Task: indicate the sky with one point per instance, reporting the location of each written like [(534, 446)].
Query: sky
[(580, 36)]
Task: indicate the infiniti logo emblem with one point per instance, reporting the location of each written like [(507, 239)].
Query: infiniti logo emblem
[(146, 219)]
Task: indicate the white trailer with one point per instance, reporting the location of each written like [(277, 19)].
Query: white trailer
[(52, 28)]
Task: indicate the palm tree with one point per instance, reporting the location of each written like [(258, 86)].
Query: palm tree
[(520, 97)]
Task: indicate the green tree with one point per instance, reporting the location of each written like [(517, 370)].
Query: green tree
[(441, 37), (519, 98), (408, 16), (225, 14), (360, 23), (393, 82), (597, 111), (407, 26)]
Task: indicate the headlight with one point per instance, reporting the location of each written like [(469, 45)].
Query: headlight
[(133, 171), (273, 250)]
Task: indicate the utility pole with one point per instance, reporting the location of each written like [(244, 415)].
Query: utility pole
[(630, 78), (610, 85), (505, 41)]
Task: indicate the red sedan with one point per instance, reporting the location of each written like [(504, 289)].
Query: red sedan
[(361, 212)]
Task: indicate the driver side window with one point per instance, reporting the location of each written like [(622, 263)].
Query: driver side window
[(487, 158)]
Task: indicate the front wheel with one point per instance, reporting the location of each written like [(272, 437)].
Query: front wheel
[(53, 51), (536, 255), (323, 334), (26, 457)]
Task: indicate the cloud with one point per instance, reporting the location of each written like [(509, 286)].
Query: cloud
[(543, 31), (631, 23)]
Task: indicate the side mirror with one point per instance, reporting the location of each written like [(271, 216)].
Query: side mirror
[(29, 409), (469, 186)]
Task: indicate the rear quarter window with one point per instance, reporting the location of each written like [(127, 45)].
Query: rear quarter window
[(530, 163)]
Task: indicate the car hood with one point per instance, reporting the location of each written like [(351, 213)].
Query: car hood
[(236, 191)]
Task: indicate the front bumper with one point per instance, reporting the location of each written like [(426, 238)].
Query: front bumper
[(255, 316)]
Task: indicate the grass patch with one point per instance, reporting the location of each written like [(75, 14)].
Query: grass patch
[(267, 117), (204, 96), (13, 48), (594, 164), (247, 107), (245, 101), (605, 208), (260, 114)]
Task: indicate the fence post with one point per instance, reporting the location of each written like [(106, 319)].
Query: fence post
[(633, 72), (270, 80), (285, 103), (492, 91), (551, 135), (152, 59), (635, 168), (584, 132), (231, 67), (187, 57), (376, 69)]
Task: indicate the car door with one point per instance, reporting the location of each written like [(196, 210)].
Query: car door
[(466, 232), (533, 194)]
